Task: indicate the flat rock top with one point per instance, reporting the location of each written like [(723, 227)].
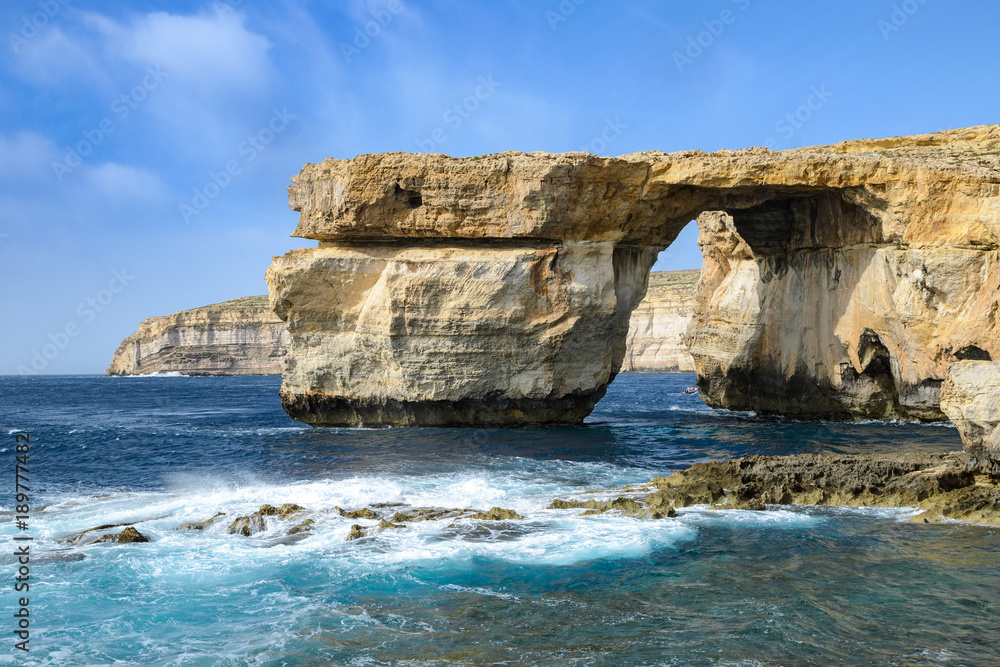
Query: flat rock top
[(640, 198)]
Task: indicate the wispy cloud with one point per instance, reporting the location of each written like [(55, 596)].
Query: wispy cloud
[(215, 55)]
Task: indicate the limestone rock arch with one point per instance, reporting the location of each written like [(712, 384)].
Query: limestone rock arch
[(838, 281)]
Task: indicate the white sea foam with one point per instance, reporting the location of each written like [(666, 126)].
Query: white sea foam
[(554, 537), (701, 515), (160, 374)]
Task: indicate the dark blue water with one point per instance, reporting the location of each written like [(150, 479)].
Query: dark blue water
[(809, 586)]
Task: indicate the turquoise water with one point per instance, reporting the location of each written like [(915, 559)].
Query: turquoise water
[(802, 586)]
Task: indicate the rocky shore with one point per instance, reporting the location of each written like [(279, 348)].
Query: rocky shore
[(942, 486), (939, 488)]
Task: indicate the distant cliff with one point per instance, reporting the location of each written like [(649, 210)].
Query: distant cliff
[(656, 330), (238, 337), (245, 337)]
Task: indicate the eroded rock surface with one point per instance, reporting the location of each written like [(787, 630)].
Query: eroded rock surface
[(970, 397), (244, 336), (658, 326), (382, 334), (256, 522), (128, 536), (200, 525), (839, 281), (942, 485), (238, 337)]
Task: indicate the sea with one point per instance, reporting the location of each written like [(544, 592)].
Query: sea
[(787, 586)]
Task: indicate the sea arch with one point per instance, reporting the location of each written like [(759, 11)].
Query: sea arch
[(497, 289)]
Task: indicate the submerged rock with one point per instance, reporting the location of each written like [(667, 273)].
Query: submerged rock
[(306, 525), (248, 525), (628, 506), (200, 525), (429, 514), (128, 536), (255, 523), (283, 512), (497, 514), (383, 525), (940, 484), (83, 536)]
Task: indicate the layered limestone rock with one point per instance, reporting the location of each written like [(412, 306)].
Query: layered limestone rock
[(453, 334), (970, 396), (839, 281), (249, 339), (658, 326), (238, 337)]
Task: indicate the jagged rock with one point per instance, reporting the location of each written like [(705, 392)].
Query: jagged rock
[(940, 484), (357, 532), (383, 525), (77, 538), (970, 396), (200, 525), (238, 337), (363, 513), (731, 503), (128, 536), (283, 512), (255, 523), (83, 536), (650, 510), (429, 514), (302, 527), (839, 280), (497, 514), (248, 525)]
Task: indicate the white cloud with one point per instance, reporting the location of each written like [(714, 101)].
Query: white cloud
[(25, 156), (55, 58), (119, 183), (212, 53)]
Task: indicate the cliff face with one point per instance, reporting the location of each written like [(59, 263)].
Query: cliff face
[(854, 306), (238, 337), (658, 326), (245, 337), (839, 280), (970, 396), (453, 334)]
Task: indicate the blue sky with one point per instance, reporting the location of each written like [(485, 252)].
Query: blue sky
[(145, 148)]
